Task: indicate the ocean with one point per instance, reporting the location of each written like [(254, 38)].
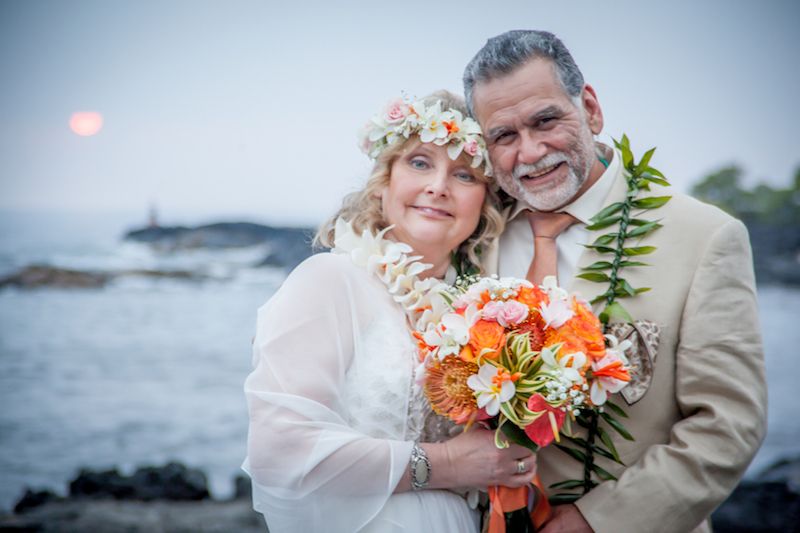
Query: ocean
[(145, 371)]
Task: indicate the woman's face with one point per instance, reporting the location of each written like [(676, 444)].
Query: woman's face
[(433, 202)]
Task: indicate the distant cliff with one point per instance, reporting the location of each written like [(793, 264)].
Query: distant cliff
[(287, 246)]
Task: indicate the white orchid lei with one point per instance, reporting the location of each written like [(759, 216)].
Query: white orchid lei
[(391, 262), (402, 118)]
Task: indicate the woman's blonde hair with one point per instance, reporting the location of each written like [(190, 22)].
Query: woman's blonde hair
[(363, 208)]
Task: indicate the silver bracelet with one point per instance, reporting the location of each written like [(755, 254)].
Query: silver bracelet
[(419, 467)]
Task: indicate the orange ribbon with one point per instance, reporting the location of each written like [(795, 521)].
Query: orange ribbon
[(505, 499)]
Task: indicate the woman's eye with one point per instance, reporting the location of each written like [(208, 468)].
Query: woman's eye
[(419, 164), (466, 177)]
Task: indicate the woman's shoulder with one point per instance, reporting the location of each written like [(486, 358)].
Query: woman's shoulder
[(326, 267), (323, 274)]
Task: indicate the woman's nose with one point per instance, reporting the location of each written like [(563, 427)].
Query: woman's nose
[(437, 184)]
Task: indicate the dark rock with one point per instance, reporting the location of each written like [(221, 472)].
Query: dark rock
[(103, 484), (783, 471), (173, 481), (219, 235), (243, 489), (769, 503), (33, 499), (182, 275), (287, 246), (38, 276), (48, 276), (20, 524), (130, 516)]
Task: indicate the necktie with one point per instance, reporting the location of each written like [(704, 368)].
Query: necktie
[(546, 227)]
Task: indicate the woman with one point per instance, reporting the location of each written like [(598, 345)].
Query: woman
[(341, 438)]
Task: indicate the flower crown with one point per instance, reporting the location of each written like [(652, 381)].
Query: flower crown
[(401, 118)]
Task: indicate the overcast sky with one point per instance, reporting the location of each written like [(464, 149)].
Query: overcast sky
[(250, 109)]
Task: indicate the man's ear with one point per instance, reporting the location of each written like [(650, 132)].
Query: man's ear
[(591, 106)]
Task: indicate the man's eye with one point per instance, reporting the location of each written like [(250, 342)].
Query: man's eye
[(504, 138)]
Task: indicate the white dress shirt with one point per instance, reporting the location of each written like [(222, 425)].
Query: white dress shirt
[(516, 242)]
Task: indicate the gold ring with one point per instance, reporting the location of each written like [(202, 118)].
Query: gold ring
[(521, 467)]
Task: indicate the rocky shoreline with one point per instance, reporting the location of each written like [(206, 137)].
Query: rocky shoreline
[(175, 498), (776, 253), (169, 498)]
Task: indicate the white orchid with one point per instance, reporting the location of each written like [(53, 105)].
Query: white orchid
[(433, 127), (452, 333), (556, 313), (610, 374), (566, 365), (554, 292), (492, 386)]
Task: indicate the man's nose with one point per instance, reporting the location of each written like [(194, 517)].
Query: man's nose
[(531, 149)]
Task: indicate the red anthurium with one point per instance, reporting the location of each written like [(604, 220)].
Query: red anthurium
[(544, 429)]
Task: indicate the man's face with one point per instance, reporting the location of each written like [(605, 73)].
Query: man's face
[(540, 143)]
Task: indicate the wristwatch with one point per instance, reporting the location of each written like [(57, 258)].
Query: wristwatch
[(419, 468)]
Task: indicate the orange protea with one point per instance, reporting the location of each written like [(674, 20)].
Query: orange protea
[(581, 333), (534, 327), (447, 390), (487, 334)]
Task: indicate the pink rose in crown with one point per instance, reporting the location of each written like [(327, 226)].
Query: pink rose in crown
[(471, 147), (396, 111)]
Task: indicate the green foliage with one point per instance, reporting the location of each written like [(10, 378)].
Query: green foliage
[(761, 204), (625, 220)]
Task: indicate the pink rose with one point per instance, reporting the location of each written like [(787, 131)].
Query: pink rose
[(491, 310), (471, 147), (396, 111), (512, 313), (505, 313)]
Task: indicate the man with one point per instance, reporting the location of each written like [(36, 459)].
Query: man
[(703, 415)]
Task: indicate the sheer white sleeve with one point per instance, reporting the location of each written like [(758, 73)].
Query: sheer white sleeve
[(316, 464)]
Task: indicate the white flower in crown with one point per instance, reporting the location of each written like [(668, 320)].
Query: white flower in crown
[(400, 119)]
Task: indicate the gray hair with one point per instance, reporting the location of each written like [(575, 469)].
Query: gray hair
[(505, 53)]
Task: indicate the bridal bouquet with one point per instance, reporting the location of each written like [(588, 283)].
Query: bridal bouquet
[(528, 358), (533, 357)]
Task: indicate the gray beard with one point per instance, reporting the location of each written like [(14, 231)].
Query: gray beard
[(550, 198)]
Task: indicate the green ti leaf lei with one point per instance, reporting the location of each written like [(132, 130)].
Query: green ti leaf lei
[(598, 442)]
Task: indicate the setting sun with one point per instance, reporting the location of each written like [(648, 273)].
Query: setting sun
[(86, 123)]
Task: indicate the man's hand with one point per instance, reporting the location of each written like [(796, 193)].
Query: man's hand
[(566, 519)]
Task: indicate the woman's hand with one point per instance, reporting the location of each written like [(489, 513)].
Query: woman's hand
[(471, 459)]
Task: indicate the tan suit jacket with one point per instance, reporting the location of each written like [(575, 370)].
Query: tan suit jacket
[(704, 415)]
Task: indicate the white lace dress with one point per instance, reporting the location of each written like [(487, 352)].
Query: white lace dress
[(334, 410)]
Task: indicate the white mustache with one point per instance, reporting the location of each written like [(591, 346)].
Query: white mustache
[(547, 161)]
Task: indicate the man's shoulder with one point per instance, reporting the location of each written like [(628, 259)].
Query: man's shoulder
[(686, 212)]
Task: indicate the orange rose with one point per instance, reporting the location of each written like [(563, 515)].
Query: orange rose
[(532, 296), (487, 334), (581, 333)]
